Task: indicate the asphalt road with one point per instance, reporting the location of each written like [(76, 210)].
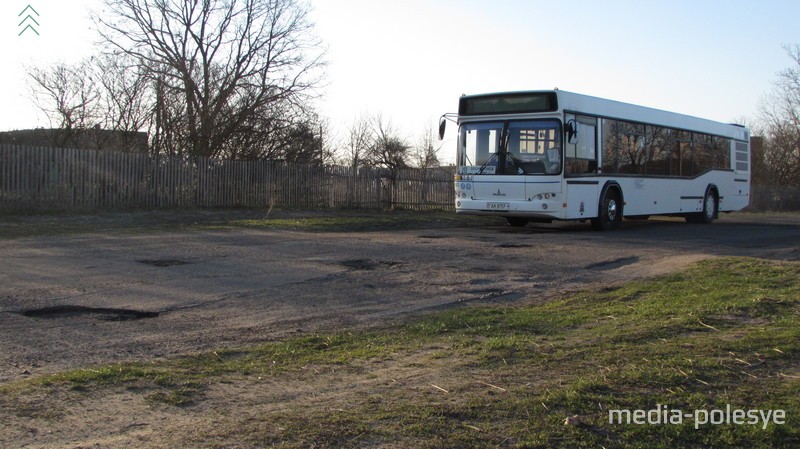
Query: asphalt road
[(72, 301)]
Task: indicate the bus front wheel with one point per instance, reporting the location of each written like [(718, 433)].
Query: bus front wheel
[(610, 214)]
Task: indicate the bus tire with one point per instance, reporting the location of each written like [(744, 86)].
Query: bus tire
[(610, 214), (710, 208), (517, 222)]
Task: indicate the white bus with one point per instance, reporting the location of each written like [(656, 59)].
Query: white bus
[(556, 155)]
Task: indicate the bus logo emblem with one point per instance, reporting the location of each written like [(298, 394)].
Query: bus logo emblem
[(499, 193)]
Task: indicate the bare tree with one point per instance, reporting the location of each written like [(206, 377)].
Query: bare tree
[(219, 66), (327, 138), (780, 118), (127, 102), (85, 99), (168, 126), (373, 141), (388, 149), (358, 142), (68, 95), (426, 152), (303, 141)]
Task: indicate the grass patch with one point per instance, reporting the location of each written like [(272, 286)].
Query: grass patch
[(724, 331), (359, 221), (137, 222)]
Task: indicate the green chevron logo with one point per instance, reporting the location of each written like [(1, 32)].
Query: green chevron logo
[(28, 21)]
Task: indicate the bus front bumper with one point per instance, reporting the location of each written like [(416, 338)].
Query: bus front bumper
[(543, 209)]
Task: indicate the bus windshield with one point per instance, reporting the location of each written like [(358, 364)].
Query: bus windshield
[(530, 147)]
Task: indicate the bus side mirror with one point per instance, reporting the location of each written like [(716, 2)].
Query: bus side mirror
[(442, 126), (572, 132)]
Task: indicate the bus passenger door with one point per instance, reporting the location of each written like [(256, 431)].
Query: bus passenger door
[(582, 188)]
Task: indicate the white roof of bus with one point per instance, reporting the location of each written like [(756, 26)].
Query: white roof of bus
[(586, 104)]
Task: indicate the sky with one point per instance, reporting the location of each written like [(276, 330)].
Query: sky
[(410, 60)]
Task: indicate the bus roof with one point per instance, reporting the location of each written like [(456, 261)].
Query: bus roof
[(600, 107)]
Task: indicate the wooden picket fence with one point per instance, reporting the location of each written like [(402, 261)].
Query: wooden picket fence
[(774, 198), (33, 178)]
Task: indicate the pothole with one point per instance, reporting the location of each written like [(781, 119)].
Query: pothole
[(480, 281), (100, 313), (489, 269), (612, 264), (367, 264), (163, 262)]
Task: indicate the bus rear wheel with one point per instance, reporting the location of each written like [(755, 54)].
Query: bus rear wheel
[(710, 209), (610, 214)]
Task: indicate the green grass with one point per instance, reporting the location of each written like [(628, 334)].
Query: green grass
[(137, 222), (724, 331), (366, 221)]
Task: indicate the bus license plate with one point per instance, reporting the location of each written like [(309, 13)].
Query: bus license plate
[(498, 206)]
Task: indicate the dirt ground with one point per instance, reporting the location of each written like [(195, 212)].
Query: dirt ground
[(69, 301)]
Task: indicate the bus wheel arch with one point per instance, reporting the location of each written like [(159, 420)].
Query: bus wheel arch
[(610, 208), (710, 210)]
